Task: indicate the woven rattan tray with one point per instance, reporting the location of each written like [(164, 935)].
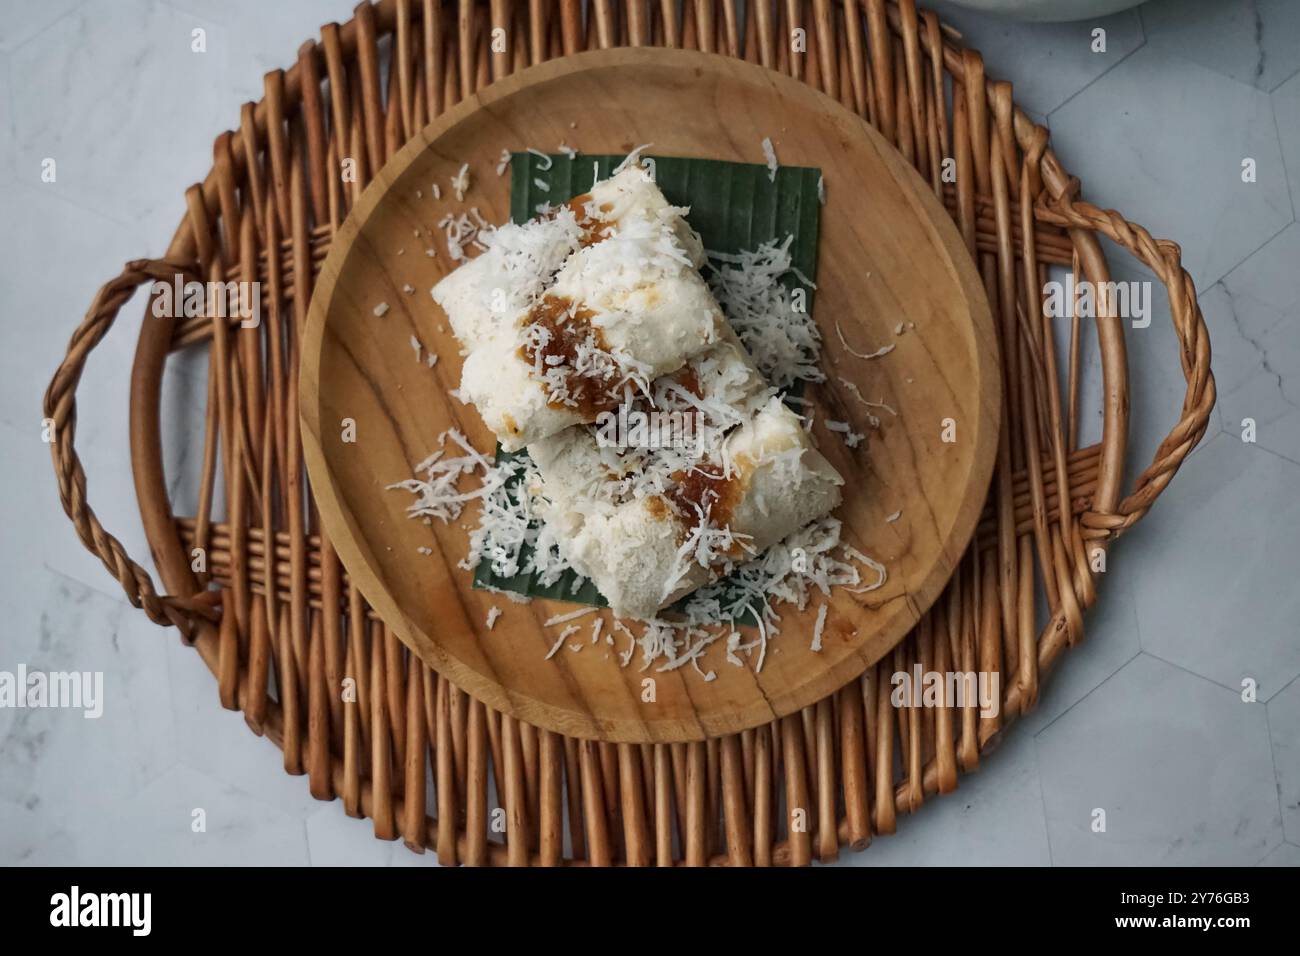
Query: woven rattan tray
[(836, 774)]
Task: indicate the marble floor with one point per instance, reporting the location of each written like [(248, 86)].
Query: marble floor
[(1145, 720)]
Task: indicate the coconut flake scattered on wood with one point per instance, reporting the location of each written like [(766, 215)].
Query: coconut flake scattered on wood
[(818, 628), (845, 430), (460, 183), (769, 156), (783, 341), (883, 350), (461, 232), (569, 616)]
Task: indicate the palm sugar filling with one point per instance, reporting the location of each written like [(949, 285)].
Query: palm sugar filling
[(571, 356)]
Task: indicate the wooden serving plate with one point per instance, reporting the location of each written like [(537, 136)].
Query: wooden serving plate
[(888, 254)]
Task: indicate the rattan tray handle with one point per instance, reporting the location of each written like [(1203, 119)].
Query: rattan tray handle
[(1164, 258), (60, 409)]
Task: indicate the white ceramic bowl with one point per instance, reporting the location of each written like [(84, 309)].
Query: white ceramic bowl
[(1049, 9)]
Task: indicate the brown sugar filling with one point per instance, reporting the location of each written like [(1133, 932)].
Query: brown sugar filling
[(593, 229), (709, 489), (687, 379), (569, 329), (717, 495), (706, 487)]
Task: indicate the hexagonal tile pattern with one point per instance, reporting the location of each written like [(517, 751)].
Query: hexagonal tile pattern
[(1253, 314), (1287, 854), (1286, 104), (1163, 142), (1047, 63), (36, 17), (994, 818), (142, 57), (1251, 41), (1179, 766), (1230, 613), (1284, 728)]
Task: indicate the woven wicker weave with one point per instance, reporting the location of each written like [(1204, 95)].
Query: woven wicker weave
[(852, 762)]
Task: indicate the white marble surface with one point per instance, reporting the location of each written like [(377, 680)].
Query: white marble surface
[(1145, 720), (1047, 63), (1248, 42), (1163, 140), (1174, 763), (1286, 109), (1255, 309)]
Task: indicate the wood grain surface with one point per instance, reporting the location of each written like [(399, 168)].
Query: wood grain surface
[(888, 256)]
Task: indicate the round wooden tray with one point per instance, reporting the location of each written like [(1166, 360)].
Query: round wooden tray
[(294, 645), (888, 255)]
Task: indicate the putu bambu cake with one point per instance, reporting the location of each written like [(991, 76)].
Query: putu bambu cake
[(663, 456), (563, 316), (649, 525)]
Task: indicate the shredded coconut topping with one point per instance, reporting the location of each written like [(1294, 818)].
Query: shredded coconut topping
[(460, 183), (783, 341)]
